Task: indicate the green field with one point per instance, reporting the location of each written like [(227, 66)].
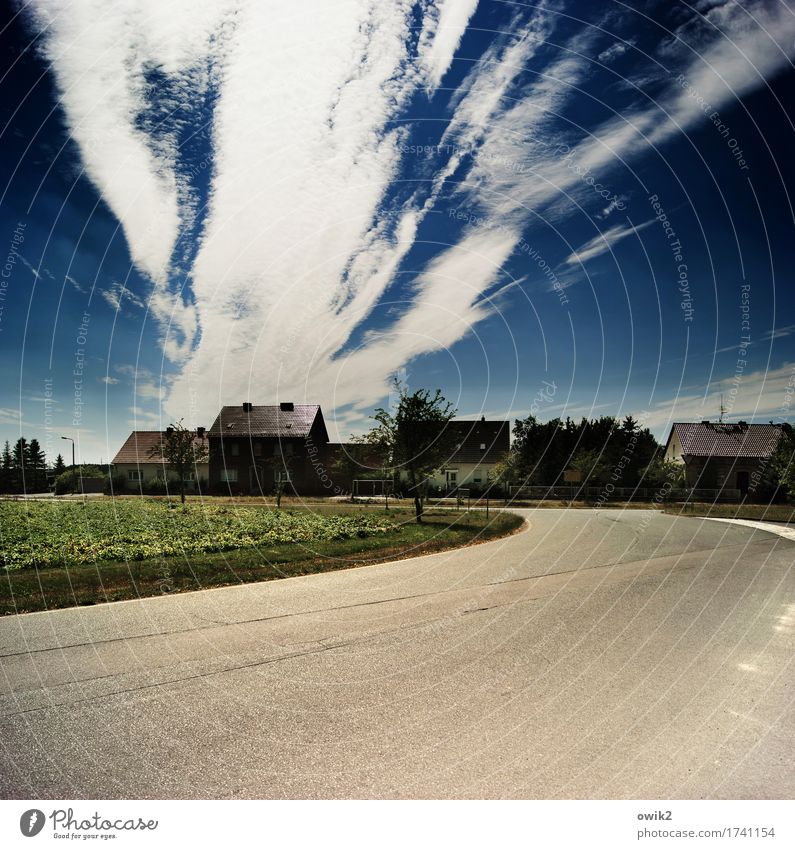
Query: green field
[(65, 553)]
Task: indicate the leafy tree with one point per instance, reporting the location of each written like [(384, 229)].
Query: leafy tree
[(415, 438), (352, 461), (660, 471), (375, 452), (782, 461), (506, 471), (180, 453), (621, 451), (69, 481), (592, 467)]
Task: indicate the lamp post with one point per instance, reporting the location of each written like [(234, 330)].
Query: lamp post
[(73, 448)]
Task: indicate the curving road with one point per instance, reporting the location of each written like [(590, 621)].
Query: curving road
[(596, 654)]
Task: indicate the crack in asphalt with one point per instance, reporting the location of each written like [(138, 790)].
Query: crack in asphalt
[(178, 680), (361, 604)]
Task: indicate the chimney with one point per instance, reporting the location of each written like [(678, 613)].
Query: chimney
[(247, 406), (200, 432), (169, 430), (287, 406), (483, 418)]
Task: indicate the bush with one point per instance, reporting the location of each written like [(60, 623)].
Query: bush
[(69, 481), (155, 487), (117, 485)]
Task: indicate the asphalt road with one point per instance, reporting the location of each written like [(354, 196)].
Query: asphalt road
[(596, 654)]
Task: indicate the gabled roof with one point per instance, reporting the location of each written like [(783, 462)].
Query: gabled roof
[(722, 439), (269, 421), (479, 441), (138, 445)]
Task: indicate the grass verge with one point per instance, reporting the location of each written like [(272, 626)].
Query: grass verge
[(34, 589), (757, 512)]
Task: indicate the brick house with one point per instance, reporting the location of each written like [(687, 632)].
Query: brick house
[(252, 447), (722, 455)]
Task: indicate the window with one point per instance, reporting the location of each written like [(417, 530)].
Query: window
[(229, 475), (476, 480), (234, 449), (257, 449), (453, 476), (482, 446), (284, 477), (134, 475), (189, 477)]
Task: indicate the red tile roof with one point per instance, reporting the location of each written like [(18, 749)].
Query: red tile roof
[(138, 445), (719, 439)]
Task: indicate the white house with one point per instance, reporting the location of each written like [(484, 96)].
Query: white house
[(135, 463), (479, 446)]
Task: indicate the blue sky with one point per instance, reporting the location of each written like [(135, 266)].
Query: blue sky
[(205, 203)]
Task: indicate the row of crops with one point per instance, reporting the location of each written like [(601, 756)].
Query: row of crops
[(44, 534)]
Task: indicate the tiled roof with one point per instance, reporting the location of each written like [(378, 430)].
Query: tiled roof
[(365, 456), (717, 439), (493, 436), (138, 445), (267, 421)]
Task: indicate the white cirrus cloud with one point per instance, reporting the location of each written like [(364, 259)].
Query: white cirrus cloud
[(308, 224), (603, 243)]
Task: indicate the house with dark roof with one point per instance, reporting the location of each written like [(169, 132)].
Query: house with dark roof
[(253, 447), (722, 455), (479, 445), (140, 461)]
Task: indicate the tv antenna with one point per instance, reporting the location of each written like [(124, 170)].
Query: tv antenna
[(722, 409)]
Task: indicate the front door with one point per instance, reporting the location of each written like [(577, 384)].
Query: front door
[(257, 482), (742, 482), (452, 479)]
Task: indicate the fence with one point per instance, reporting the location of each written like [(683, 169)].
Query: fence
[(371, 487), (619, 493)]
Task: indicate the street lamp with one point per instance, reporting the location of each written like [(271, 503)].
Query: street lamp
[(73, 448)]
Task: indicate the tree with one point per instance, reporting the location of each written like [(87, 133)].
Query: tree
[(6, 469), (546, 449), (180, 453), (352, 460), (782, 461), (71, 479), (282, 464), (505, 471), (59, 467), (415, 438), (375, 453), (20, 458), (591, 466), (37, 460)]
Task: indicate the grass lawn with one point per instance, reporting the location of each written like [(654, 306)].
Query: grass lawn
[(758, 512), (66, 553)]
